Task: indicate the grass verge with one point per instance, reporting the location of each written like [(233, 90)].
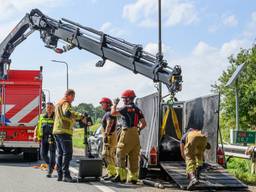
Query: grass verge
[(241, 169), (78, 136)]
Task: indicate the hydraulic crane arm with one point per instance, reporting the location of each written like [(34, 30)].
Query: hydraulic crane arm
[(128, 55)]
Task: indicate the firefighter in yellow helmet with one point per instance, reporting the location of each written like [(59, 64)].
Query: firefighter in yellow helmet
[(65, 118), (129, 144), (43, 134), (192, 147), (110, 138)]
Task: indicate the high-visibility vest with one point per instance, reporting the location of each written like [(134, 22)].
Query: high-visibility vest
[(43, 120), (63, 123)]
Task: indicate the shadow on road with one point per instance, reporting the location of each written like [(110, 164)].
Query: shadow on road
[(16, 160)]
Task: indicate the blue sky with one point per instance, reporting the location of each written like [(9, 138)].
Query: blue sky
[(198, 35)]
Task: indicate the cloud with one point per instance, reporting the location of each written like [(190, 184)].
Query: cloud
[(230, 21), (203, 48), (225, 20), (175, 12), (92, 83), (203, 66), (153, 48), (8, 8), (251, 27), (11, 10), (233, 46), (108, 28), (6, 28)]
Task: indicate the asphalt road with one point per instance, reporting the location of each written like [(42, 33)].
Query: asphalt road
[(16, 175)]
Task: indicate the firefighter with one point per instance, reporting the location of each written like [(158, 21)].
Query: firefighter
[(129, 144), (110, 138), (192, 147), (65, 118), (43, 134)]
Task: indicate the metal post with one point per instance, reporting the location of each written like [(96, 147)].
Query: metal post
[(66, 68), (237, 105), (159, 29), (159, 55)]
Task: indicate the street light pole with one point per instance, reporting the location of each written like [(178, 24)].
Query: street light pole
[(56, 61)]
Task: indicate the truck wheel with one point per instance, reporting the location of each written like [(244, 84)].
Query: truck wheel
[(30, 156)]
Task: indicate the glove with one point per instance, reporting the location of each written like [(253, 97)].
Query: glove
[(116, 101)]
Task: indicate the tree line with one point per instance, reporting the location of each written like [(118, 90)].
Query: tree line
[(95, 112)]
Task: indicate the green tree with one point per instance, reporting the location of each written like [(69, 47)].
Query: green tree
[(85, 107), (247, 91), (95, 112)]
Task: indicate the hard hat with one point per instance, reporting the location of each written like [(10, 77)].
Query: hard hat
[(106, 100), (128, 93)]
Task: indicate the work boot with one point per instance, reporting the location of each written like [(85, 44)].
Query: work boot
[(68, 179), (49, 174), (198, 172), (193, 181), (108, 177), (134, 182), (117, 179), (60, 177)]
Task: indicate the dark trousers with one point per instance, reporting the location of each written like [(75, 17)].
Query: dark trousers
[(64, 153), (48, 153)]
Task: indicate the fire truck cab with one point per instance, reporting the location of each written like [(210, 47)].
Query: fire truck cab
[(20, 107)]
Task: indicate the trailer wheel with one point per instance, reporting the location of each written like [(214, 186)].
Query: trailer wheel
[(30, 156)]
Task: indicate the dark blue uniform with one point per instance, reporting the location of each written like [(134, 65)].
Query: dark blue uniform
[(130, 115)]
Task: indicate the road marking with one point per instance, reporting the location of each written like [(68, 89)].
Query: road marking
[(99, 186), (73, 170)]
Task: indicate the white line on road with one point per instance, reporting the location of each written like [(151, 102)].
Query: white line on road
[(99, 186), (73, 170)]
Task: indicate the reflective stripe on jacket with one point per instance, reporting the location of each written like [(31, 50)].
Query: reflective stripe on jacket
[(65, 118), (43, 120)]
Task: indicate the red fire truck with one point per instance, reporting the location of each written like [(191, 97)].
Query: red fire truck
[(21, 97)]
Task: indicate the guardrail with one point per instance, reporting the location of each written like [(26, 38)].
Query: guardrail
[(239, 151)]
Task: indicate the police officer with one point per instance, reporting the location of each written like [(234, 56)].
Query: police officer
[(192, 147), (110, 138), (129, 144), (65, 118), (43, 134)]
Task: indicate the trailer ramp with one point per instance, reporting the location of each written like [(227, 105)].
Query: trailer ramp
[(214, 177)]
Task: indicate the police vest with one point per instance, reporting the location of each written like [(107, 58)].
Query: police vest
[(44, 126)]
